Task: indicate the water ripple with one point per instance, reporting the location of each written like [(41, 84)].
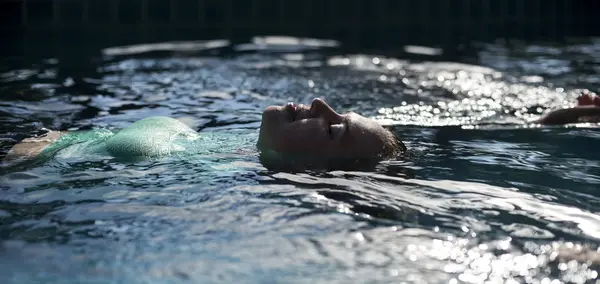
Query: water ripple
[(480, 197)]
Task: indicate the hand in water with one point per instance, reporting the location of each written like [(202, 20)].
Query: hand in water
[(588, 98), (587, 110)]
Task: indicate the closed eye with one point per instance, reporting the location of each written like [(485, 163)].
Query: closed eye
[(292, 113), (337, 130)]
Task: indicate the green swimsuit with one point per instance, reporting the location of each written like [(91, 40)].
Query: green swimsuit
[(152, 137)]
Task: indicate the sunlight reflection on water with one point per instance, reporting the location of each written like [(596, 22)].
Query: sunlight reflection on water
[(493, 200)]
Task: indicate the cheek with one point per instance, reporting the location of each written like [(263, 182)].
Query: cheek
[(309, 138)]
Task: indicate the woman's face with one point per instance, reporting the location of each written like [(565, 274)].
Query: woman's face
[(319, 130)]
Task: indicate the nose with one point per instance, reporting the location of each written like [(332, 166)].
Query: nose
[(319, 108)]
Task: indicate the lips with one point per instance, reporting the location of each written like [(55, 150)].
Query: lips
[(298, 112), (334, 122), (292, 110), (292, 106)]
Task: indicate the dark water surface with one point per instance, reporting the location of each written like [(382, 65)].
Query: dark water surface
[(481, 196)]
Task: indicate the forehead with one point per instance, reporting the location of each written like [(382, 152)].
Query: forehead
[(366, 136), (359, 121), (365, 130)]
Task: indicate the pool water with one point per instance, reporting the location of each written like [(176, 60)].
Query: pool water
[(481, 195)]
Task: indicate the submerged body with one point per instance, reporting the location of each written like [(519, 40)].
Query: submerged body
[(288, 134), (149, 138)]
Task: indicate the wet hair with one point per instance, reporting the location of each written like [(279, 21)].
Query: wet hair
[(392, 145)]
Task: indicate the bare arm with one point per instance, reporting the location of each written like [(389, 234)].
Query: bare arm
[(30, 148), (570, 115)]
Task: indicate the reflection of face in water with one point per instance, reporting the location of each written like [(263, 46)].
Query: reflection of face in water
[(320, 131)]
